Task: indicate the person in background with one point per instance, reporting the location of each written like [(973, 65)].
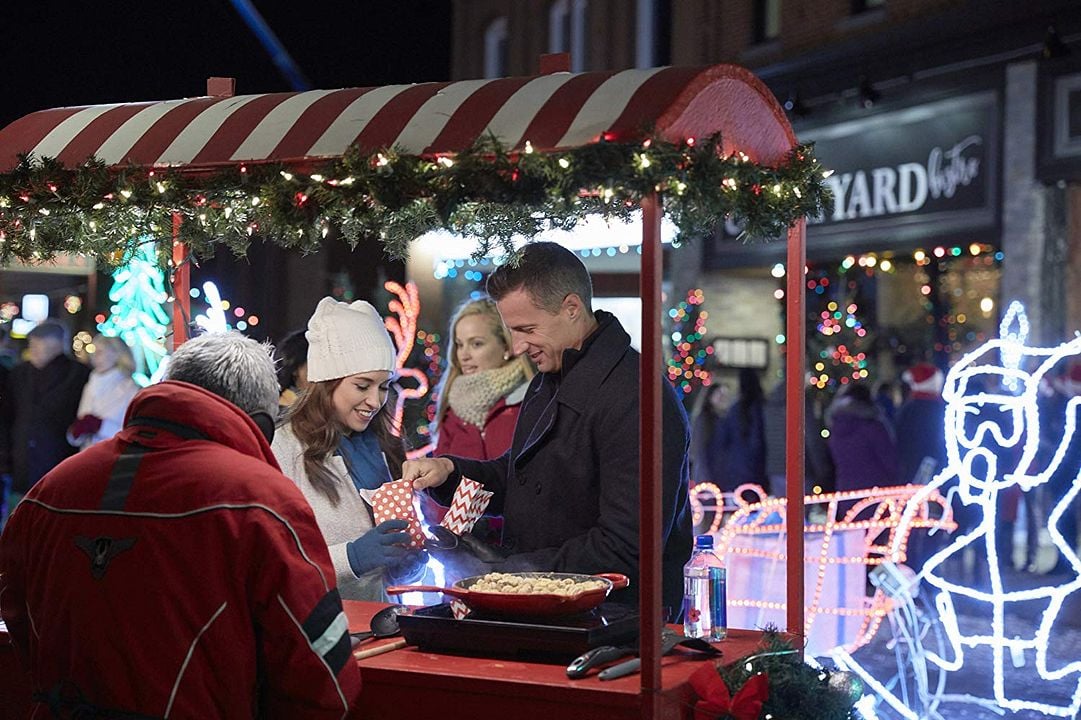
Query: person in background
[(736, 452), (921, 425), (107, 393), (568, 486), (921, 450), (818, 467), (884, 400), (860, 443), (172, 570), (39, 402), (293, 370), (709, 411), (482, 392), (337, 440)]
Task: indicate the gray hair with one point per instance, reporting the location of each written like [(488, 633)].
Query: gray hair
[(230, 365)]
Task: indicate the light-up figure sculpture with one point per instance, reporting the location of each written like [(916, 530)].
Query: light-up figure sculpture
[(992, 437)]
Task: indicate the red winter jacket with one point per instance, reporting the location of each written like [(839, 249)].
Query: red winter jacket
[(173, 571), (462, 439)]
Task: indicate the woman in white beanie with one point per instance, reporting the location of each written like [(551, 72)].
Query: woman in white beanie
[(337, 440)]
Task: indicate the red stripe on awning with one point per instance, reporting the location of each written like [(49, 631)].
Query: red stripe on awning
[(90, 138), (387, 124), (24, 134), (313, 122), (161, 134), (466, 125), (551, 122), (654, 95), (237, 127)]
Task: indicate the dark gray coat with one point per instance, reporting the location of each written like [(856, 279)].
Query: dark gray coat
[(568, 486)]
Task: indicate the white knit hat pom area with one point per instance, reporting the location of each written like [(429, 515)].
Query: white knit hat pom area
[(345, 339)]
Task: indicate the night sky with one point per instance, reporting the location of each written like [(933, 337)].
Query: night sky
[(73, 52), (79, 53)]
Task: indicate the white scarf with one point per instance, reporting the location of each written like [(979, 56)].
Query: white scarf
[(472, 396)]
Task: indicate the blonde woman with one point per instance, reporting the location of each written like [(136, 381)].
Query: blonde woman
[(107, 393), (337, 440), (483, 389)]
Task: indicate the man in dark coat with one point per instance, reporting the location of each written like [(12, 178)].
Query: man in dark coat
[(40, 400), (568, 486)]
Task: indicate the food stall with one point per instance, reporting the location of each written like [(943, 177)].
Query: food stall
[(486, 158)]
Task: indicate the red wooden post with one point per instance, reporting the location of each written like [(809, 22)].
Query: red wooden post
[(795, 341), (649, 471), (181, 281)]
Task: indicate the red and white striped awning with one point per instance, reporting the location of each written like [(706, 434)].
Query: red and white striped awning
[(556, 111)]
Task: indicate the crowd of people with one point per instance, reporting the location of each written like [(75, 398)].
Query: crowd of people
[(222, 521), (240, 488)]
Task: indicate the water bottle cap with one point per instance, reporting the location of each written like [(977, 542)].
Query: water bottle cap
[(704, 541)]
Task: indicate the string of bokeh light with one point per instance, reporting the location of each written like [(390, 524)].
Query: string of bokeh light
[(687, 366)]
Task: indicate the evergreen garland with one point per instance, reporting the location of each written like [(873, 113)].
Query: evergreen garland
[(484, 192), (797, 691)]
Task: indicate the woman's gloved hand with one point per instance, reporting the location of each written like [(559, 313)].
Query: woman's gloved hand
[(409, 569), (385, 545)]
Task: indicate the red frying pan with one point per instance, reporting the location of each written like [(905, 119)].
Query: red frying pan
[(526, 603)]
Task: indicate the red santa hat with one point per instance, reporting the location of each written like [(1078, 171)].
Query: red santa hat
[(924, 378)]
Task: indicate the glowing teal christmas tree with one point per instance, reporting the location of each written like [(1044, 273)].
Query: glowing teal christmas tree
[(138, 315)]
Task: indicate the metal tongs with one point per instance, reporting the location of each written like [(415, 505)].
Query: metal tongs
[(607, 653)]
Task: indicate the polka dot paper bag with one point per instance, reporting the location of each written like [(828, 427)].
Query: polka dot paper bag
[(394, 500)]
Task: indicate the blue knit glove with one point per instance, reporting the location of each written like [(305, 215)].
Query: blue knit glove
[(382, 546), (410, 569)]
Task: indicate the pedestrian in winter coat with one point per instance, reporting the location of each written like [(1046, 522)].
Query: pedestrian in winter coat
[(921, 425), (337, 441), (172, 570), (39, 402), (736, 452), (818, 467), (863, 451), (568, 486), (482, 392), (106, 394)]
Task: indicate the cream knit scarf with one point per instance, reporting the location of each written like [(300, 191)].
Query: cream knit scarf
[(472, 396)]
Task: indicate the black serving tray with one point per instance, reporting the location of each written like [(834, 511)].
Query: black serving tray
[(549, 639)]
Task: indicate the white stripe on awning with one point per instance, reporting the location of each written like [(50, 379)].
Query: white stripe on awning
[(197, 134), (265, 136), (120, 143), (58, 138), (347, 126), (430, 119), (604, 106), (511, 120)]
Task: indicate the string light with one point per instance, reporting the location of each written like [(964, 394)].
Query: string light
[(874, 513), (687, 366)]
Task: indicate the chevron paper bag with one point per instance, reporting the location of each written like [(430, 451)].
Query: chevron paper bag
[(394, 500), (469, 503)]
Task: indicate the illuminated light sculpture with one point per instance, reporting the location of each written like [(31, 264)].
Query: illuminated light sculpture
[(138, 315), (986, 426), (404, 330), (868, 533)]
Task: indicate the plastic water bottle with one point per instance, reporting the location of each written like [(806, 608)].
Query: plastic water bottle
[(705, 593)]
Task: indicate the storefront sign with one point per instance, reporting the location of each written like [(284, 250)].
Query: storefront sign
[(910, 178), (927, 160)]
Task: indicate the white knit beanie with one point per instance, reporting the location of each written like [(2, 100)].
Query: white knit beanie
[(345, 339)]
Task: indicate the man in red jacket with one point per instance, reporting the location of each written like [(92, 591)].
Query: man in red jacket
[(173, 571)]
